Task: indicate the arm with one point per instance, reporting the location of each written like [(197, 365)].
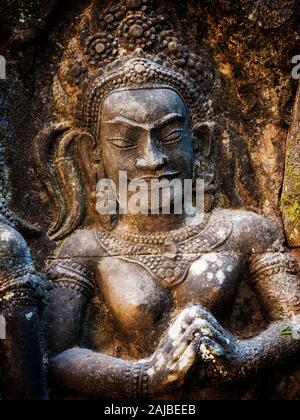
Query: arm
[(96, 374), (274, 277), (77, 369), (20, 298), (70, 291), (72, 285)]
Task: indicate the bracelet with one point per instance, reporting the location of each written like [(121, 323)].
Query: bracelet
[(21, 297), (140, 381), (21, 285), (272, 264), (70, 275)]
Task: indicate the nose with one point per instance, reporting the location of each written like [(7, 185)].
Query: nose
[(153, 159)]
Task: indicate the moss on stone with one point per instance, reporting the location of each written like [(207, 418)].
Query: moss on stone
[(290, 200), (292, 212)]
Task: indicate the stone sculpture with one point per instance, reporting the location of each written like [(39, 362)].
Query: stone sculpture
[(21, 297), (138, 305)]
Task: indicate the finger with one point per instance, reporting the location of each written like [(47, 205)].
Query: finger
[(209, 350), (209, 331), (177, 329), (199, 328), (211, 319), (182, 327), (187, 359), (183, 321), (197, 311), (183, 342)]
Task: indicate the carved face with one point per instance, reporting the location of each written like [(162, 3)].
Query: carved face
[(146, 133)]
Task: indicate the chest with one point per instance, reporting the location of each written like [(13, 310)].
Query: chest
[(139, 302)]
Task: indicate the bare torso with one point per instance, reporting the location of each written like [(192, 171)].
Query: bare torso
[(141, 291), (139, 309)]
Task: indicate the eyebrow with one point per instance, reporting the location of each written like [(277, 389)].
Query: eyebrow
[(168, 119)]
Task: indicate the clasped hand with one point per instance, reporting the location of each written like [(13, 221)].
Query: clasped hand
[(196, 339)]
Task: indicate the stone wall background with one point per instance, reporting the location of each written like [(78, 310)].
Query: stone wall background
[(251, 50), (251, 45)]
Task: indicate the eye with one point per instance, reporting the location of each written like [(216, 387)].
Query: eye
[(120, 143), (172, 137)]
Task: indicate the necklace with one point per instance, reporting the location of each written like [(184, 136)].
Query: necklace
[(167, 256)]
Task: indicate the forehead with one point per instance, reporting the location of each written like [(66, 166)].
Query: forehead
[(143, 105)]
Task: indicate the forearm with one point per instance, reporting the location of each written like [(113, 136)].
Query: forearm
[(274, 276), (22, 363), (98, 375), (269, 349), (67, 298), (65, 314)]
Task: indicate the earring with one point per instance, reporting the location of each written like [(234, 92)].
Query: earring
[(107, 221), (203, 169)]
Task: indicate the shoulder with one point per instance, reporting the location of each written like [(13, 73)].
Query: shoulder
[(75, 263), (82, 244), (12, 244), (251, 232)]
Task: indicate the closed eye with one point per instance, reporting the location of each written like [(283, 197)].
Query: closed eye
[(172, 137), (120, 143)]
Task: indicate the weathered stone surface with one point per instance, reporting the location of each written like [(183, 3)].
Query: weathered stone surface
[(118, 288), (21, 21), (290, 200), (249, 60)]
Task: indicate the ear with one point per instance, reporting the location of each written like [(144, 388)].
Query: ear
[(90, 155), (203, 138)]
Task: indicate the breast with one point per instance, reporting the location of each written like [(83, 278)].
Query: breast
[(137, 302), (212, 282)]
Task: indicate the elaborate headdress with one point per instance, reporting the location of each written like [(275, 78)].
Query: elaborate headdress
[(128, 43), (136, 71)]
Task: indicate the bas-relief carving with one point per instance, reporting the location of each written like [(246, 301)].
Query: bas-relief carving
[(138, 303), (140, 307), (21, 297)]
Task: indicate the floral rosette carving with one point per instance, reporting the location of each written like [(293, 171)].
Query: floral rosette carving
[(111, 21), (137, 31), (101, 48), (181, 57), (121, 29)]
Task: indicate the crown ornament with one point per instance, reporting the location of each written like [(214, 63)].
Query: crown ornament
[(136, 71), (129, 43)]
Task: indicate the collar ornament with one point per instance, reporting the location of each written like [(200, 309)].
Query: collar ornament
[(167, 257)]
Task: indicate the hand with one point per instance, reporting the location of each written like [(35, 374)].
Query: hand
[(178, 352), (223, 355), (196, 335)]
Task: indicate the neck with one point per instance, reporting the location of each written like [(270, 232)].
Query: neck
[(150, 223)]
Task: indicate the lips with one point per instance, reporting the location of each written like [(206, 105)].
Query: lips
[(152, 180), (169, 176)]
